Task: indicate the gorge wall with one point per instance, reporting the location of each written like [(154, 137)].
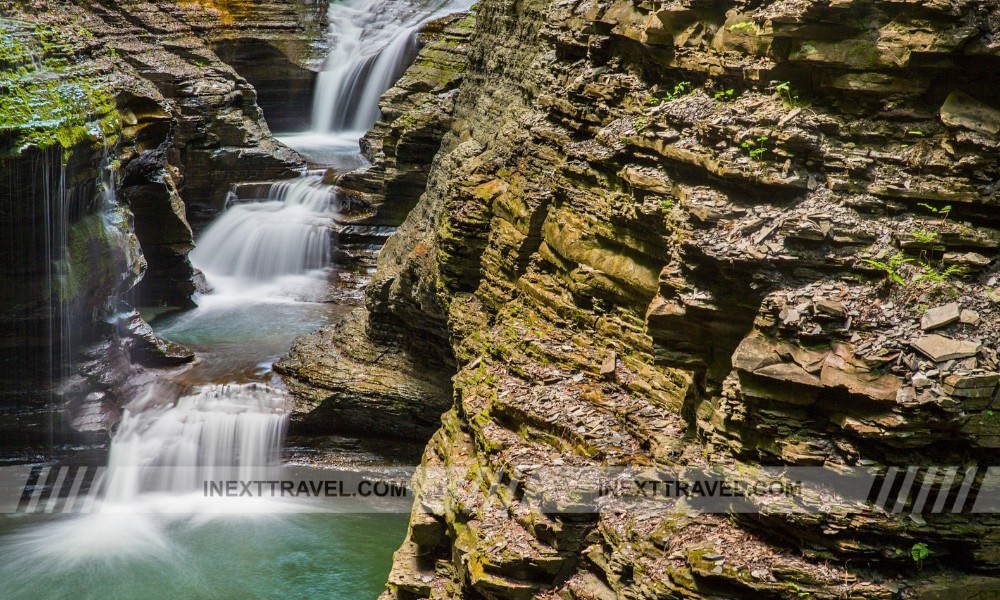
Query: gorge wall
[(654, 234), (692, 232), (386, 373), (121, 131)]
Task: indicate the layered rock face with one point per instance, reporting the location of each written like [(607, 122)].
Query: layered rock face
[(277, 46), (219, 135), (705, 233), (119, 124), (69, 119), (209, 130), (359, 373)]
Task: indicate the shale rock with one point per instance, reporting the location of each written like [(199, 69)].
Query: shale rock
[(345, 379), (753, 205)]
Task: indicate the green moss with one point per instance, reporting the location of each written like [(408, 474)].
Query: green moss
[(47, 98), (864, 54)]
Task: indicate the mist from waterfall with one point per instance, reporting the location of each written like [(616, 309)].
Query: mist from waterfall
[(216, 431)]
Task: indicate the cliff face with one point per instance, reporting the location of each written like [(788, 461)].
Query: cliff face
[(358, 374), (120, 127), (209, 129), (276, 45), (71, 250), (701, 233)]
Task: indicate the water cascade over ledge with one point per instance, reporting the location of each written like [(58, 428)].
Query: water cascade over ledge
[(225, 418), (281, 236), (220, 431), (373, 42)]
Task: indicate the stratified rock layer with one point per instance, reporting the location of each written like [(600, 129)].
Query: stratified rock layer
[(406, 376), (118, 124), (700, 232), (276, 45)]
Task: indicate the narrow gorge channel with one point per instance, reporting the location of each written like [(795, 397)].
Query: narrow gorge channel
[(611, 299), (268, 269)]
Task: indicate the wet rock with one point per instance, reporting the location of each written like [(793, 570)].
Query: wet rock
[(415, 113), (147, 348)]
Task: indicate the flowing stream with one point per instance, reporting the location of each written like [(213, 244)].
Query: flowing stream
[(267, 259)]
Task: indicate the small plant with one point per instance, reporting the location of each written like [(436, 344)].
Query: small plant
[(722, 96), (942, 212), (667, 204), (932, 274), (681, 89), (788, 96), (923, 236), (891, 268), (929, 273), (641, 125), (919, 553), (755, 148), (741, 25)]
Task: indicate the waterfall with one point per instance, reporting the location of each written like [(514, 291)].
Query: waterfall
[(372, 42), (229, 431), (284, 234), (60, 318)]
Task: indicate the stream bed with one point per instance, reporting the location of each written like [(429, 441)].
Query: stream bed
[(148, 530), (161, 538)]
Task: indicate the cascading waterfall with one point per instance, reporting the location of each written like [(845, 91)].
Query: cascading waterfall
[(231, 431), (169, 443), (253, 248), (373, 42), (251, 252), (284, 234), (160, 457)]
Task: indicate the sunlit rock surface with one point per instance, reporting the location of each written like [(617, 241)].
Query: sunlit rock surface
[(685, 233)]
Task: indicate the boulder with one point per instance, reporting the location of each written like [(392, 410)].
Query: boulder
[(962, 110), (940, 348)]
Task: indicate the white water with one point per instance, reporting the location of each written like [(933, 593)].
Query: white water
[(166, 446), (161, 455), (269, 248), (216, 432), (372, 42)]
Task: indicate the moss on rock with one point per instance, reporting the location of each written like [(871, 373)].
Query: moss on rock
[(48, 97)]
